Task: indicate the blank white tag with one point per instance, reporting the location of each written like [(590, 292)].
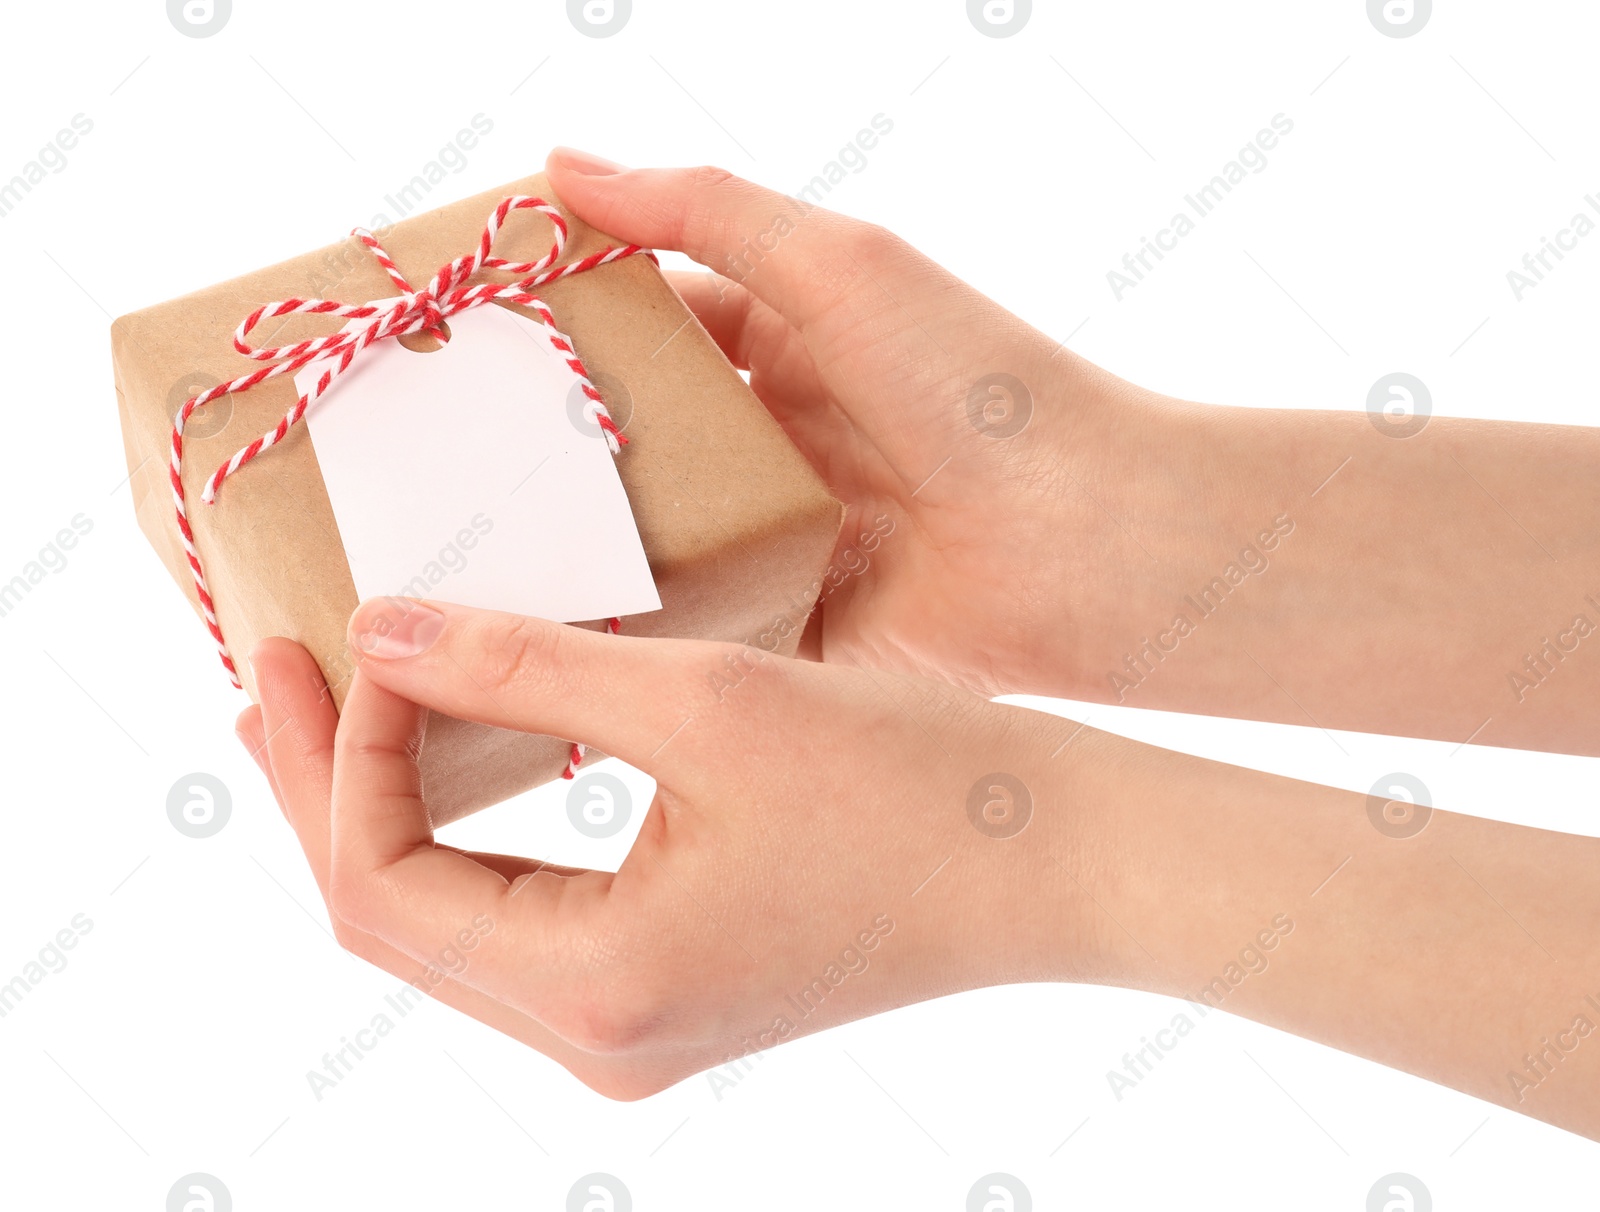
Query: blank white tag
[(470, 475)]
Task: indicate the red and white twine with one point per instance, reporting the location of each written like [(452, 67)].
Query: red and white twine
[(414, 311)]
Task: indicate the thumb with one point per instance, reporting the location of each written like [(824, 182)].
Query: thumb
[(797, 258), (625, 696)]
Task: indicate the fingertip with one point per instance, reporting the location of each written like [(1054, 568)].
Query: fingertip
[(262, 649), (251, 730), (581, 163), (387, 629), (253, 736), (248, 723), (267, 656), (292, 690), (608, 197)]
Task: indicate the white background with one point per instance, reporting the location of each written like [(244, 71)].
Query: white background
[(1418, 172)]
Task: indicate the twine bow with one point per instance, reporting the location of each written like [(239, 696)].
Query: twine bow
[(425, 310)]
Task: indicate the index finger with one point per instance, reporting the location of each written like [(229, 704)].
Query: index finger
[(389, 879), (797, 257)]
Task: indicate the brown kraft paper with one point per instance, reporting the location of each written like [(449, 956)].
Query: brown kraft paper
[(736, 525)]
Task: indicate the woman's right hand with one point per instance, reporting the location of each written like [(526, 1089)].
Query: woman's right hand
[(760, 879)]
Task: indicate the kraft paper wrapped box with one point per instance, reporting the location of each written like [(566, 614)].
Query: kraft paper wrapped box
[(735, 524)]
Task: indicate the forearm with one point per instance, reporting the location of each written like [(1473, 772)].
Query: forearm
[(1304, 567), (1466, 953)]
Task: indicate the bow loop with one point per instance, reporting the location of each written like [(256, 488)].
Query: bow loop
[(446, 294)]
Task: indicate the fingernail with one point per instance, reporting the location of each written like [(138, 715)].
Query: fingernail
[(394, 628), (586, 164)]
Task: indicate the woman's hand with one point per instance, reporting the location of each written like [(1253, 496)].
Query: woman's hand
[(1060, 531), (827, 842), (809, 857), (916, 398)]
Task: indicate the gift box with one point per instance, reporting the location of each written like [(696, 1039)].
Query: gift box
[(735, 524)]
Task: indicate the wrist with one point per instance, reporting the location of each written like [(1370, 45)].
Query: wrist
[(1179, 506), (1149, 869), (1104, 491), (1041, 860)]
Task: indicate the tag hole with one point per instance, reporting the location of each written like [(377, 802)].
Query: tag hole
[(423, 342)]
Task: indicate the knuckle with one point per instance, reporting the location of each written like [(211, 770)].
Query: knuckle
[(347, 936), (708, 176), (870, 243), (617, 1006), (610, 1025), (347, 900), (378, 754), (506, 653)]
